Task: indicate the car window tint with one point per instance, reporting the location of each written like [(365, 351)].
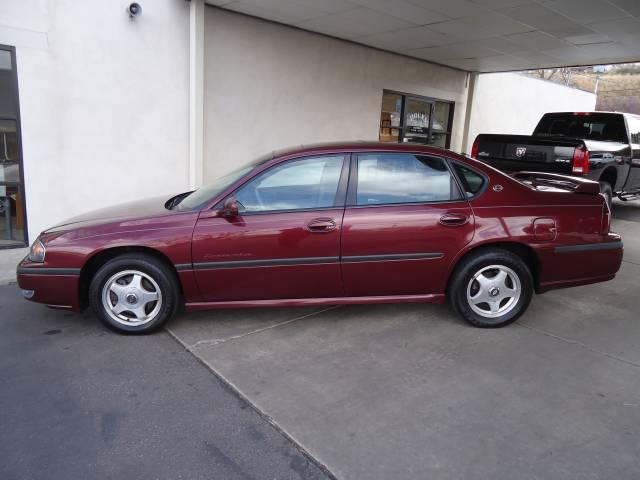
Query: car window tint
[(403, 178), (297, 184), (472, 182)]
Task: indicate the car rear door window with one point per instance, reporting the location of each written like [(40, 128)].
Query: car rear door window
[(385, 178), (303, 184)]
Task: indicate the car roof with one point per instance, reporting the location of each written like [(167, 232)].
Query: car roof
[(359, 145)]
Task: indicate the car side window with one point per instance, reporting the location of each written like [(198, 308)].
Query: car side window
[(634, 129), (388, 178), (472, 182), (294, 185)]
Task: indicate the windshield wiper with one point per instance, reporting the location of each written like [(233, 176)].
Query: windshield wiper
[(174, 201)]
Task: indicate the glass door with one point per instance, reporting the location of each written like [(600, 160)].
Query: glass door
[(13, 229), (410, 118), (417, 120)]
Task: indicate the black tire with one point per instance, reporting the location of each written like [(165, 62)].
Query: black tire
[(469, 267), (149, 270), (605, 188)]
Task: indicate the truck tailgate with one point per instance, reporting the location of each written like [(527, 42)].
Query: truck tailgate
[(513, 153)]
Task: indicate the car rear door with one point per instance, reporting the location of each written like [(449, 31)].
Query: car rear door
[(404, 222), (285, 242)]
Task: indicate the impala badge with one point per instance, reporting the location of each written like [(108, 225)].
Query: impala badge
[(520, 151)]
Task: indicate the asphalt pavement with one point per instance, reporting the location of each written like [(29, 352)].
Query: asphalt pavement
[(80, 402)]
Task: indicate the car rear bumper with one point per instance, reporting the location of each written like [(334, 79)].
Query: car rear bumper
[(55, 287), (580, 264)]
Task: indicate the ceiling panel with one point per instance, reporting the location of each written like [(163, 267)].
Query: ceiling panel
[(411, 38), (537, 41), (452, 8), (632, 7), (404, 10), (478, 35), (586, 11)]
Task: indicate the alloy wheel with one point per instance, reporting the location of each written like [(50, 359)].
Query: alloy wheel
[(494, 291), (131, 298)]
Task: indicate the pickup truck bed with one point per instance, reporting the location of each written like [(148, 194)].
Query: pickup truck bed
[(595, 145)]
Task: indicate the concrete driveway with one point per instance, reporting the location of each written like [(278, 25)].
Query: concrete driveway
[(409, 391)]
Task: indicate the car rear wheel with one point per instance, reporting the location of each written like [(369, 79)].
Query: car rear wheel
[(607, 191), (491, 289), (134, 294)]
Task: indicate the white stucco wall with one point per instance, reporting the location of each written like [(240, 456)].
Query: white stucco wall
[(269, 86), (513, 104), (103, 102)]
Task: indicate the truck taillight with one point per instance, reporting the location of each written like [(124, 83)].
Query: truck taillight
[(580, 164), (606, 218), (475, 148)]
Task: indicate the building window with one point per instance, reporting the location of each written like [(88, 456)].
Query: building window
[(410, 118), (13, 228)]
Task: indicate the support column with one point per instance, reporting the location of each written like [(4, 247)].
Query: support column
[(196, 93), (471, 91)]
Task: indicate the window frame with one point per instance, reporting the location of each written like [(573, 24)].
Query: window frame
[(485, 177), (17, 119), (338, 202), (448, 132), (352, 189)]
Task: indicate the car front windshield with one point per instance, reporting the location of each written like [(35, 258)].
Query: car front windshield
[(204, 194)]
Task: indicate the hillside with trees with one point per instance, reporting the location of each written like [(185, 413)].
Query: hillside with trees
[(617, 86)]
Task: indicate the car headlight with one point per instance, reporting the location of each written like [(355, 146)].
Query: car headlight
[(37, 252)]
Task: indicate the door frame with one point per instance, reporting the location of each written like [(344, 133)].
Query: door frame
[(432, 107), (402, 127), (17, 119)]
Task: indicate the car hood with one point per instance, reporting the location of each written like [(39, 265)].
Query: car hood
[(149, 207)]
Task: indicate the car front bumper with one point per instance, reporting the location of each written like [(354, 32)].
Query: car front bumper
[(55, 287)]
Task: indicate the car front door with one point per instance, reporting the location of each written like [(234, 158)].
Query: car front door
[(284, 242), (404, 222)]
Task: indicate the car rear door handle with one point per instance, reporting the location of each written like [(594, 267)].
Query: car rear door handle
[(321, 225), (454, 219)]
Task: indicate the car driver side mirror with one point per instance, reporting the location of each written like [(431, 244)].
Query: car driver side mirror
[(230, 208)]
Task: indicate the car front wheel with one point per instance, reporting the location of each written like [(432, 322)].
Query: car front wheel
[(491, 288), (134, 294)]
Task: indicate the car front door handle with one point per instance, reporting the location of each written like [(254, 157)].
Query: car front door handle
[(454, 220), (321, 225)]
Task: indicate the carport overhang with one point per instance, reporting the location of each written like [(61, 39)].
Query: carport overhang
[(477, 36)]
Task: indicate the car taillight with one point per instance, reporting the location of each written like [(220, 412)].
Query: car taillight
[(606, 218), (580, 164), (474, 149)]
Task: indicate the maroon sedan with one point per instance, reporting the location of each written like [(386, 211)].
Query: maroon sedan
[(332, 224)]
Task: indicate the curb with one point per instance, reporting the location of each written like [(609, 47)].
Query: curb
[(234, 390)]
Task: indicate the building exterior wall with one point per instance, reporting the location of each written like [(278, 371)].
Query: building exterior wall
[(513, 104), (103, 102), (269, 86)]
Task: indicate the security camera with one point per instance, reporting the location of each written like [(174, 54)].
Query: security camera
[(134, 10)]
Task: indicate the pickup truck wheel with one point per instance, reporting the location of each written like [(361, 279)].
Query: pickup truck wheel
[(134, 293), (607, 191), (491, 289)]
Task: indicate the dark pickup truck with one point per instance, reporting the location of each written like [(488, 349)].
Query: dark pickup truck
[(601, 146)]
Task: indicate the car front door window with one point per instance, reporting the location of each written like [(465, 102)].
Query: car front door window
[(303, 184)]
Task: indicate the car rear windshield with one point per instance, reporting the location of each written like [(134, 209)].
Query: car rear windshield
[(590, 126)]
